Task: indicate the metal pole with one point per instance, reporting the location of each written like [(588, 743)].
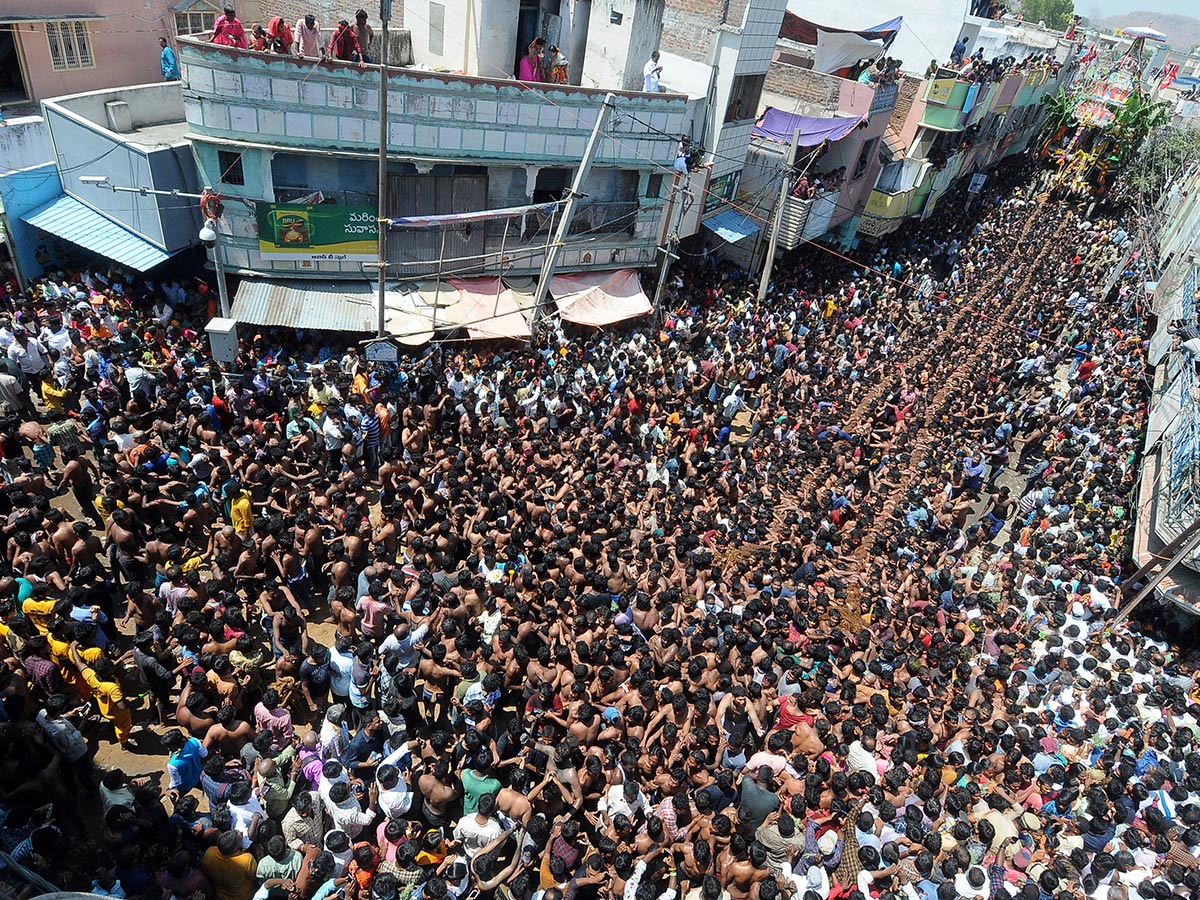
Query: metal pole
[(385, 14), (765, 279), (437, 283), (500, 277), (668, 250), (564, 224), (219, 267)]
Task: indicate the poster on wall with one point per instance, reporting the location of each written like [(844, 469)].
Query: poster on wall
[(325, 232), (939, 91)]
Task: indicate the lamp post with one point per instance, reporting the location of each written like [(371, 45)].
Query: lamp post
[(210, 236)]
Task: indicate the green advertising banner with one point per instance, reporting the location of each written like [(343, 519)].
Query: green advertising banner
[(324, 232)]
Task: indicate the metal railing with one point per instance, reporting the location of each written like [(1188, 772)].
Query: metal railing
[(1188, 304), (1182, 452)]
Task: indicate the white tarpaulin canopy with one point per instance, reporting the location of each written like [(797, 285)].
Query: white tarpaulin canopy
[(599, 298), (839, 49)]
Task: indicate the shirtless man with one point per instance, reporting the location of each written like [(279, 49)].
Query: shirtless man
[(123, 547), (80, 474), (228, 734), (437, 792)]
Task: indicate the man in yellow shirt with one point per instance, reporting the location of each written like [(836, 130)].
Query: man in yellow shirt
[(231, 869), (39, 609), (60, 655), (102, 679), (241, 512)]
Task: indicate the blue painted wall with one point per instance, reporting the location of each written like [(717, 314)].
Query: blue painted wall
[(22, 192)]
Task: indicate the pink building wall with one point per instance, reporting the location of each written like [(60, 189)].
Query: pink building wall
[(124, 42)]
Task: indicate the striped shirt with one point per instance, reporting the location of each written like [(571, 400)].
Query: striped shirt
[(370, 427)]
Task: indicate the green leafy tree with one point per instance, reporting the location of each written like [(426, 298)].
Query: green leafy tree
[(1060, 116), (1160, 158), (1055, 13)]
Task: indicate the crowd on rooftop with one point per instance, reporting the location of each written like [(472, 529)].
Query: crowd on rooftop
[(805, 598)]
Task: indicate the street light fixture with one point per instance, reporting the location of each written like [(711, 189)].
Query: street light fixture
[(209, 235)]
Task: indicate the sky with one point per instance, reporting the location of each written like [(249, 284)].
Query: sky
[(1103, 8)]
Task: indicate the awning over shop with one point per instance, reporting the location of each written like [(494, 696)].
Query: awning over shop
[(731, 225), (489, 310), (779, 126), (315, 305), (78, 223), (599, 298)]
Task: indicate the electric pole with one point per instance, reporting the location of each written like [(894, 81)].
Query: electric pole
[(776, 220), (564, 223), (385, 14)]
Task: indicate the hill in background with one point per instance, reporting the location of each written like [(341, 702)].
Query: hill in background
[(1183, 32)]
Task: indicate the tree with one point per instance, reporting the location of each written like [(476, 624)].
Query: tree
[(1054, 13), (1060, 117), (1161, 158)]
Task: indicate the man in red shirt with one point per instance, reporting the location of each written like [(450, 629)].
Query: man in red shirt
[(344, 44), (228, 30)]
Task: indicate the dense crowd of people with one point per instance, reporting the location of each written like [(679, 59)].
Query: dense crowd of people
[(808, 598)]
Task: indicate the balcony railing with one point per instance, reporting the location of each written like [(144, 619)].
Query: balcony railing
[(279, 100), (791, 225)]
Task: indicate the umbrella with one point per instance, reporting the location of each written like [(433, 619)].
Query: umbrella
[(1144, 31)]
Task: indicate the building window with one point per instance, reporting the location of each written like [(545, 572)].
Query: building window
[(231, 167), (744, 97), (654, 186), (194, 22), (860, 168), (437, 29), (69, 45)]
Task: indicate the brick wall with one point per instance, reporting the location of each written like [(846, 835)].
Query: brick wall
[(328, 12), (908, 87), (688, 24), (802, 84)]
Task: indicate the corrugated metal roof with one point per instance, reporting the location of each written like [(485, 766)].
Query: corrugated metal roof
[(316, 305), (80, 224)]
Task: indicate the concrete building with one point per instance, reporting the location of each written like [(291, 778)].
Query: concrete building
[(949, 128), (857, 112), (274, 130), (132, 136), (1170, 476), (718, 52)]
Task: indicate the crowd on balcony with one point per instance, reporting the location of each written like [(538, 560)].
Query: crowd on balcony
[(974, 68), (346, 42), (808, 186), (988, 9), (876, 71)]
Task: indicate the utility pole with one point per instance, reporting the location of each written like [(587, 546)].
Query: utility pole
[(668, 250), (564, 223), (385, 14), (776, 220)]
